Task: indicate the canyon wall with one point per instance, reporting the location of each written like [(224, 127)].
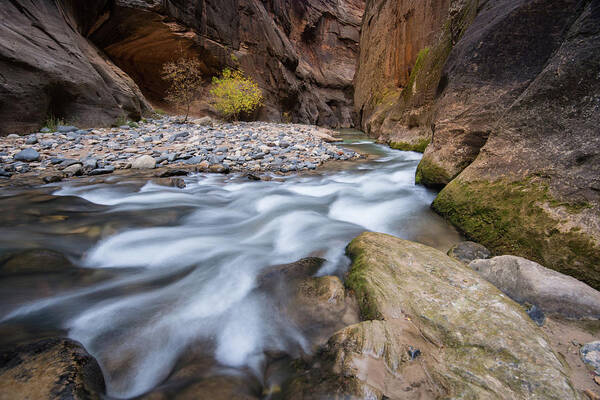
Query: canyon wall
[(48, 68), (57, 56), (508, 94)]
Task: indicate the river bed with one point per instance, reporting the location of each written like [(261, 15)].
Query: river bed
[(169, 269)]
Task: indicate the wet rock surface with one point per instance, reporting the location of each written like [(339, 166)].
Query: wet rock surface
[(529, 282), (218, 147), (468, 251), (50, 369), (472, 340)]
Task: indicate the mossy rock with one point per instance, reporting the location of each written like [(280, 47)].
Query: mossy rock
[(418, 146), (511, 217), (474, 341), (430, 174)]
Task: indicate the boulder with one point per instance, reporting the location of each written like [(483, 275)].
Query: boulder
[(528, 282), (437, 330), (468, 251), (27, 155), (318, 306), (204, 121), (50, 369), (73, 169), (144, 162)]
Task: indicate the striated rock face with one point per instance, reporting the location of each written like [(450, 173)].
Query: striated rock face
[(472, 341), (47, 68), (503, 51), (301, 53), (534, 188), (403, 47), (508, 94)]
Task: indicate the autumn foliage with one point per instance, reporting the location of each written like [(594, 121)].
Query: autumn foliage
[(234, 93), (185, 79)]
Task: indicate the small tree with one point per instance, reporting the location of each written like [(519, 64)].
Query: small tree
[(234, 93), (185, 81)]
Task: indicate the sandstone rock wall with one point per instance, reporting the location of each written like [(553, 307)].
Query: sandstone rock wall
[(56, 56), (534, 188), (508, 94), (301, 53), (403, 48), (48, 68)]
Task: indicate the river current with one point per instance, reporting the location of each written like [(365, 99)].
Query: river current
[(171, 268)]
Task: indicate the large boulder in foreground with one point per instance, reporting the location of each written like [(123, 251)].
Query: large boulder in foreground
[(472, 341), (528, 282), (50, 369)]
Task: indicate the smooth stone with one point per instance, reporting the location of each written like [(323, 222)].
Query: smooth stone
[(590, 354), (73, 169), (66, 129), (528, 282), (475, 342), (27, 155), (172, 172), (144, 162), (219, 168), (102, 171), (90, 163), (52, 178), (32, 139), (34, 261), (468, 251)]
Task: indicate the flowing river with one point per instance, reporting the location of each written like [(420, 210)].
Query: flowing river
[(167, 269)]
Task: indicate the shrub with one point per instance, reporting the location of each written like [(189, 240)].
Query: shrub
[(53, 122), (185, 79), (234, 93)]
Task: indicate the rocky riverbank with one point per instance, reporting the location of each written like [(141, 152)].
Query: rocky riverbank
[(410, 322), (202, 145)]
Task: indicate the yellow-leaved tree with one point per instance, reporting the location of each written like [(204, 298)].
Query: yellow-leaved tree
[(234, 93), (185, 82)]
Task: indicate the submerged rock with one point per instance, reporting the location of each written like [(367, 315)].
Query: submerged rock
[(318, 306), (474, 341), (34, 261), (528, 282), (50, 369), (468, 251)]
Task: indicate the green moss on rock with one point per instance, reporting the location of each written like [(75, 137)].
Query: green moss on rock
[(431, 174), (509, 218), (419, 146), (475, 341)]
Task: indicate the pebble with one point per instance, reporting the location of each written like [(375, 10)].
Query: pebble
[(590, 354), (249, 147), (144, 162), (27, 155)]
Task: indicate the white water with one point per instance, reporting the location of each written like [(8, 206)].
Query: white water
[(206, 264)]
